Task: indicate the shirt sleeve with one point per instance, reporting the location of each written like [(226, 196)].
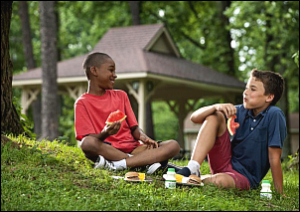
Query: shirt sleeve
[(131, 119), (83, 124), (277, 131), (239, 109)]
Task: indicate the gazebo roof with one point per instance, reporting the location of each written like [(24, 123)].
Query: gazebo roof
[(136, 50)]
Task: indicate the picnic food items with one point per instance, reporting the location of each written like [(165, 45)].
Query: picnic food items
[(265, 191), (142, 176), (231, 125), (178, 178), (115, 116), (170, 180), (194, 179), (134, 176)]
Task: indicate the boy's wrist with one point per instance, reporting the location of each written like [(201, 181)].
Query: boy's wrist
[(103, 135), (215, 107)]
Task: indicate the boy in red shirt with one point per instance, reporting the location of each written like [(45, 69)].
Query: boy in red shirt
[(115, 146)]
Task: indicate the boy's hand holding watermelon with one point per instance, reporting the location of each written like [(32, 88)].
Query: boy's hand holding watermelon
[(229, 110), (113, 122), (112, 129)]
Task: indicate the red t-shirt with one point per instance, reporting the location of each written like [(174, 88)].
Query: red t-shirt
[(91, 112)]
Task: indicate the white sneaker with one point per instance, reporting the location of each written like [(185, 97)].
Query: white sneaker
[(102, 163), (152, 168)]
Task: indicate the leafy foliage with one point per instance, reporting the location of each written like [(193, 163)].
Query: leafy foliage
[(265, 36), (26, 123), (66, 120), (296, 58), (165, 122)]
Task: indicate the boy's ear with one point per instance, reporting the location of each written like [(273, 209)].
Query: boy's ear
[(93, 70), (270, 98)]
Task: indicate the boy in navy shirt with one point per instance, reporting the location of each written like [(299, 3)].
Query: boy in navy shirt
[(257, 145)]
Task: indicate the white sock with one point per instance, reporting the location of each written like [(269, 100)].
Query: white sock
[(129, 155), (120, 165), (194, 166)]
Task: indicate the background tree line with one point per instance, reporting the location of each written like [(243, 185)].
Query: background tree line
[(232, 37)]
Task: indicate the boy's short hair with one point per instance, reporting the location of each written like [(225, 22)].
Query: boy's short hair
[(94, 59), (273, 83)]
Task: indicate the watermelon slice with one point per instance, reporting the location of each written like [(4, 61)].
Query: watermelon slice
[(231, 125), (115, 116)]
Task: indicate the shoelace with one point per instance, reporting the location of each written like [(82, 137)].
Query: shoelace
[(109, 165)]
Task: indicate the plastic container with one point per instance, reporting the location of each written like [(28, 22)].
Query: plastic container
[(170, 180), (265, 191)]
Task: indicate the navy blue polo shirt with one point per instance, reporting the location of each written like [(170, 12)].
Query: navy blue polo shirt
[(252, 139)]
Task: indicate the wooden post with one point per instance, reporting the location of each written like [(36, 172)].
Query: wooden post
[(141, 97), (28, 96), (181, 116), (181, 108), (142, 104)]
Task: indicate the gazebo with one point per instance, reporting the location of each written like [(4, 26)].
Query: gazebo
[(149, 68)]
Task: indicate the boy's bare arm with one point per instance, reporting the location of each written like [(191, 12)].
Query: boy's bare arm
[(139, 134), (200, 115), (107, 131), (275, 163)]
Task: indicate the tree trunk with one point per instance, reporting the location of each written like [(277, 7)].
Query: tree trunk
[(10, 120), (49, 67), (37, 116), (149, 120), (26, 35), (56, 7), (135, 12), (30, 62), (230, 53), (284, 105)]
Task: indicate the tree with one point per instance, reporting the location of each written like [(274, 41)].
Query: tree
[(229, 54), (30, 61), (49, 67), (10, 120), (295, 163), (26, 35), (135, 14)]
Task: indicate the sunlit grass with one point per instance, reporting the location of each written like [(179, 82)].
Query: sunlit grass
[(53, 176)]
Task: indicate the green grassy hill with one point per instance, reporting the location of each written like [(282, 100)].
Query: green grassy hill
[(53, 176)]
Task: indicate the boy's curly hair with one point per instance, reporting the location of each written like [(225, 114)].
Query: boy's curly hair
[(273, 83)]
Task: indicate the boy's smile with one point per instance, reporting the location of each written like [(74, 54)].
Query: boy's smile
[(254, 96), (106, 75)]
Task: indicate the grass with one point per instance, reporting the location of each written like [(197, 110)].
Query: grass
[(42, 176)]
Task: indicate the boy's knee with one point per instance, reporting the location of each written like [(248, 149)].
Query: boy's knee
[(172, 146), (221, 180), (175, 146), (89, 143), (217, 117)]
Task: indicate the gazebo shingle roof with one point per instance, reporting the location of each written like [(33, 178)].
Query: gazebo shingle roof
[(180, 68), (126, 46), (120, 38)]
